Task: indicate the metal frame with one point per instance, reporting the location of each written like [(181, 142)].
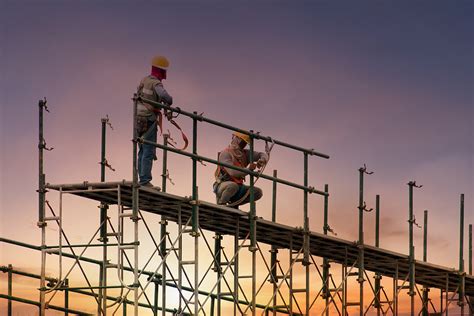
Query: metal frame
[(192, 217)]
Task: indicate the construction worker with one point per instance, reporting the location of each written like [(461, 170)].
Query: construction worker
[(229, 186), (151, 88)]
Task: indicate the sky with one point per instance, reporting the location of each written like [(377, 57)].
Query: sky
[(382, 83)]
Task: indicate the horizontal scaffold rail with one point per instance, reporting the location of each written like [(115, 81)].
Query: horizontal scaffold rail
[(223, 220), (254, 135)]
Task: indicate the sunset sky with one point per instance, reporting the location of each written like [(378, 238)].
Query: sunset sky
[(383, 83)]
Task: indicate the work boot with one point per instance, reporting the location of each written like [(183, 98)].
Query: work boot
[(150, 186)]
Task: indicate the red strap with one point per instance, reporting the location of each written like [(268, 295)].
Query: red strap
[(185, 138), (237, 164), (159, 119)]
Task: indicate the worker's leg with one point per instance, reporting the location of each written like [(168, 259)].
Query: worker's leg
[(257, 194), (147, 154), (226, 191)]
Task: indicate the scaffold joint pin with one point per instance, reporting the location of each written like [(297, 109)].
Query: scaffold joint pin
[(194, 202)]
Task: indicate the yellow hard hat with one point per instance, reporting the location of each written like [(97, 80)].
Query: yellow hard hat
[(160, 62), (242, 136)]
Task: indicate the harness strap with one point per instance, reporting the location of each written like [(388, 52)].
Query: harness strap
[(183, 135), (221, 170)]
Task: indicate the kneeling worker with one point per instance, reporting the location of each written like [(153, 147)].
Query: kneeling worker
[(229, 186)]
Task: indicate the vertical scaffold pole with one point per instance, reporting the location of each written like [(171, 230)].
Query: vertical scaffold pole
[(290, 283), (326, 265), (360, 279), (447, 295), (471, 300), (180, 257), (163, 250), (461, 256), (163, 224), (344, 283), (426, 290), (306, 260), (10, 289), (66, 297), (41, 209), (195, 220), (236, 266), (274, 250), (411, 221), (253, 230), (378, 276), (103, 228), (395, 290), (155, 298), (441, 300), (135, 207), (164, 173), (470, 249), (218, 270)]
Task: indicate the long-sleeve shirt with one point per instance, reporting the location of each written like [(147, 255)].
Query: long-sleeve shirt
[(226, 157), (161, 94)]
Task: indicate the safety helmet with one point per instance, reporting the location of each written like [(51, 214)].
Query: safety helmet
[(160, 62), (242, 136)]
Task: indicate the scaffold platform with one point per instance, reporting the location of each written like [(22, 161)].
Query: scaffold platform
[(224, 220)]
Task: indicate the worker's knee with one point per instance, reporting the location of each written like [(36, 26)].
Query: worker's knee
[(226, 191), (149, 151), (230, 187), (257, 193)]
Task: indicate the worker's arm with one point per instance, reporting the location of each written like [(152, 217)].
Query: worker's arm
[(260, 158), (163, 94), (226, 157)]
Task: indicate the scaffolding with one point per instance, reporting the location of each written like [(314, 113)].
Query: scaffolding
[(217, 281)]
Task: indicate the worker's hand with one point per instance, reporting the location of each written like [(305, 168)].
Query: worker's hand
[(261, 162), (169, 115), (252, 166)]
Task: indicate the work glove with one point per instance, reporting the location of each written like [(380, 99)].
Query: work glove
[(261, 162), (169, 115), (252, 166)]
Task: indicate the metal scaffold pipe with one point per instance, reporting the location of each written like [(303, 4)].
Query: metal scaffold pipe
[(274, 250), (163, 227), (326, 265), (202, 118), (411, 222), (461, 255), (41, 206), (470, 249), (195, 220), (253, 230), (247, 171), (426, 290), (361, 255), (471, 299), (306, 261), (102, 307), (377, 244), (135, 208)]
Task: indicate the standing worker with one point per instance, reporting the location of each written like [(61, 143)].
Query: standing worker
[(229, 186), (151, 88)]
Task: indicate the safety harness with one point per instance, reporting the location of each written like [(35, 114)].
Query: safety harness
[(159, 115), (221, 171)]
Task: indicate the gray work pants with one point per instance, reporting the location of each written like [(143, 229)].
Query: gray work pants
[(229, 192)]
